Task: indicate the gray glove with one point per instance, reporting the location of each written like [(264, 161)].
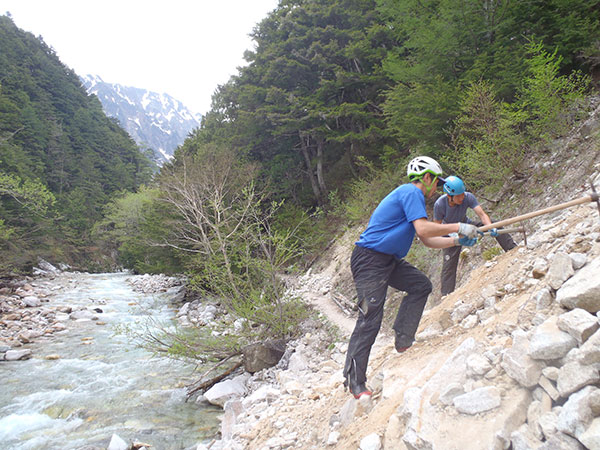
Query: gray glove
[(468, 230)]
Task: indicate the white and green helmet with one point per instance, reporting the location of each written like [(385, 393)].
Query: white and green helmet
[(421, 165)]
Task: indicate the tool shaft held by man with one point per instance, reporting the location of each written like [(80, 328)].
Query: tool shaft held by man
[(502, 223)]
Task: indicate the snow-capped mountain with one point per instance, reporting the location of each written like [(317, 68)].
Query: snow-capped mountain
[(154, 121)]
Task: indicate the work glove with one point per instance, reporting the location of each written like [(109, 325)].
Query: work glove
[(468, 230), (465, 241), (494, 232)]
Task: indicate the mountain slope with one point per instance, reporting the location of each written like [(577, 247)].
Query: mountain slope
[(56, 135), (154, 121), (508, 360)]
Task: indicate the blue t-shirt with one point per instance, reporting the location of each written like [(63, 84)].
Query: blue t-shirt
[(453, 214), (390, 228)]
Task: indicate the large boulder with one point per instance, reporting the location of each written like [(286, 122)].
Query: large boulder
[(263, 355), (226, 390), (583, 289)]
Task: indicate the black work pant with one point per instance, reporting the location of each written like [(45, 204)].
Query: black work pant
[(373, 272), (452, 256)]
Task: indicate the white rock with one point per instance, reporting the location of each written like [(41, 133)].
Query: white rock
[(583, 290), (16, 355), (31, 301), (591, 437), (578, 260), (371, 442), (333, 438), (226, 390), (478, 400), (561, 269), (116, 443)]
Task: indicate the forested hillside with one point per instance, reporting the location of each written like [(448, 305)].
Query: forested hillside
[(61, 158), (330, 83)]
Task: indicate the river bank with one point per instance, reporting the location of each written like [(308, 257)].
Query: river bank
[(81, 382)]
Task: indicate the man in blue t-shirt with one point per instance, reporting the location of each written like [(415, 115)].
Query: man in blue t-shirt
[(452, 208), (377, 262)]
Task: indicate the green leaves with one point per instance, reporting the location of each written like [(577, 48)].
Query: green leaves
[(32, 195), (546, 95), (309, 100), (491, 138)]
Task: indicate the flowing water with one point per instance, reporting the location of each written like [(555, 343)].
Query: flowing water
[(103, 383)]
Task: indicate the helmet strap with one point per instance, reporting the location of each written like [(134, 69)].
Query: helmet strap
[(427, 187)]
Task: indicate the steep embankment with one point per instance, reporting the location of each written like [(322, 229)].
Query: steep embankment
[(510, 358)]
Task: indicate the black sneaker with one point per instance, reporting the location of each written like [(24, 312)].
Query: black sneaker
[(358, 389), (402, 343)]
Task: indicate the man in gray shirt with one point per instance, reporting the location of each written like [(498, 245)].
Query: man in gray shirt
[(452, 208)]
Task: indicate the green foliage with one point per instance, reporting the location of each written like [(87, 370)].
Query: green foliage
[(225, 225), (312, 231), (491, 253), (364, 194), (491, 138), (134, 227), (447, 44), (30, 194), (202, 345), (546, 97), (487, 144), (419, 114), (308, 103)]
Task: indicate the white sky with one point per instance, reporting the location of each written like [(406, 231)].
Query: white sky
[(184, 48)]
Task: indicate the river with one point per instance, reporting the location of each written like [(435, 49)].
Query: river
[(102, 382)]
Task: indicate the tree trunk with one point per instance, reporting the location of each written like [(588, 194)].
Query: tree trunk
[(353, 169), (320, 179), (311, 175)]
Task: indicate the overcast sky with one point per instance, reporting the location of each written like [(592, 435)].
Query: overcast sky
[(184, 48)]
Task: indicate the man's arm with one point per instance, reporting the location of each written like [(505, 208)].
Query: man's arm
[(482, 215), (438, 242), (426, 229)]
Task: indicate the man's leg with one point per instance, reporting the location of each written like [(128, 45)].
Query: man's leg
[(371, 272), (417, 286), (504, 240), (451, 257)]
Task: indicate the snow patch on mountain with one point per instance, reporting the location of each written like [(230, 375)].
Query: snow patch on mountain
[(154, 120)]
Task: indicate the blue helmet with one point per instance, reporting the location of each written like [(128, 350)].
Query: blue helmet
[(454, 186)]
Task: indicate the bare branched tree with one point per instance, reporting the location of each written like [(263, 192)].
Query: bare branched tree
[(213, 196)]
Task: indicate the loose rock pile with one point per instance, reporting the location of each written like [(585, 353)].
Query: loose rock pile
[(25, 315), (510, 360)]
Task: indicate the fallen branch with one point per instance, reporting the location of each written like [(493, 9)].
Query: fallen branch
[(343, 303), (212, 381)]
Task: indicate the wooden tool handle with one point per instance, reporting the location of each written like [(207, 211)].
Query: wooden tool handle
[(502, 223)]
